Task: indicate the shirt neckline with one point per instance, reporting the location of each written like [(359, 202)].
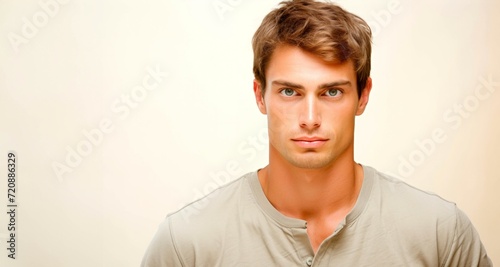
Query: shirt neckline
[(289, 222)]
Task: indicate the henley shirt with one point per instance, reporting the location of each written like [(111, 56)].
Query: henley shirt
[(391, 224)]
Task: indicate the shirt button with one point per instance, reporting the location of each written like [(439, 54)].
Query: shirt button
[(309, 261)]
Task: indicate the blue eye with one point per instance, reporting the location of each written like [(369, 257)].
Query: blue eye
[(287, 92), (333, 92)]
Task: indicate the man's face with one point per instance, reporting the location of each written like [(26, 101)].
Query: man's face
[(310, 106)]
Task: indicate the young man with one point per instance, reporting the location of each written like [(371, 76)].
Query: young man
[(313, 205)]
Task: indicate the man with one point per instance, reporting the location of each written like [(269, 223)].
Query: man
[(313, 205)]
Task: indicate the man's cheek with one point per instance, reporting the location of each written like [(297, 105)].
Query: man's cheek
[(279, 119)]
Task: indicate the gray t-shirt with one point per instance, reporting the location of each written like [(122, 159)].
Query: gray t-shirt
[(392, 224)]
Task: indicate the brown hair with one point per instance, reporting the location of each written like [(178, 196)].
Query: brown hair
[(323, 29)]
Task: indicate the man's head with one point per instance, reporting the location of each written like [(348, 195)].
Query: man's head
[(323, 29), (312, 66)]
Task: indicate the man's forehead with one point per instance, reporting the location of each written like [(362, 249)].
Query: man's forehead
[(294, 66), (289, 56)]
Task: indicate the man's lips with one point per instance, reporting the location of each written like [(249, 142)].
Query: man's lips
[(310, 139), (310, 142)]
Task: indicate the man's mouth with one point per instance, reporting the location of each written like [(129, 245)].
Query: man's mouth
[(310, 141)]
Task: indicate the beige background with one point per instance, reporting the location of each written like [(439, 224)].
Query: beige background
[(200, 126)]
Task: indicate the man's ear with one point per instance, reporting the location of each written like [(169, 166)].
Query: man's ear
[(259, 97), (365, 95)]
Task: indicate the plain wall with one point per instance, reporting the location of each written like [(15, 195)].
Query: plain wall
[(429, 120)]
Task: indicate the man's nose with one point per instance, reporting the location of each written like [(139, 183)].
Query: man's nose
[(309, 114)]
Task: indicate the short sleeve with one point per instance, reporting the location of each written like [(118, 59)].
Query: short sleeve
[(162, 251), (466, 249)]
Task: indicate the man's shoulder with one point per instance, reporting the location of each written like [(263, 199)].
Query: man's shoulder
[(191, 231), (422, 219), (215, 205), (399, 193), (415, 213)]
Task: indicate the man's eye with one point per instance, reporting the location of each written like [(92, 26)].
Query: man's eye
[(288, 92), (333, 92)]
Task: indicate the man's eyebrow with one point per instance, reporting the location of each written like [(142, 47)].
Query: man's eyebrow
[(287, 84), (334, 84), (321, 86)]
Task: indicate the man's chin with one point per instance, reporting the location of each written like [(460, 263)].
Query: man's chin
[(311, 161)]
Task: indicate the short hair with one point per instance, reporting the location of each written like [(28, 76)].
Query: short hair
[(324, 29)]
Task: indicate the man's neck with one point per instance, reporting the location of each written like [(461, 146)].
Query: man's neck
[(311, 194)]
